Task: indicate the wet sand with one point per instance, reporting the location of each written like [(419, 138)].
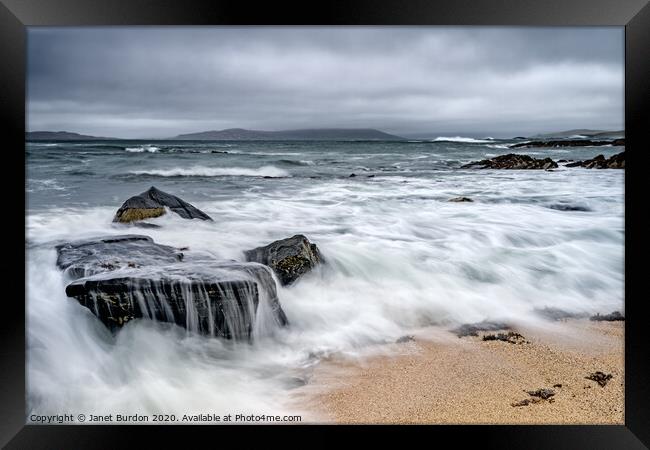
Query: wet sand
[(440, 378)]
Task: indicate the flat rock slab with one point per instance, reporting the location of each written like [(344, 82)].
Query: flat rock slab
[(289, 258), (152, 203), (143, 279), (98, 255)]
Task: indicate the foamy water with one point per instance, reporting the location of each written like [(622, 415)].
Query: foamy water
[(399, 257)]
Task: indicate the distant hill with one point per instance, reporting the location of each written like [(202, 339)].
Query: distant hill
[(582, 132), (60, 136), (322, 134)]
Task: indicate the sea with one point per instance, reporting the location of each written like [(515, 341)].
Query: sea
[(399, 257)]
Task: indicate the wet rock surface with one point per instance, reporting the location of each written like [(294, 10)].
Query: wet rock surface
[(512, 161), (289, 258), (600, 162), (103, 254), (510, 337), (460, 199), (404, 339), (472, 329), (152, 203), (121, 278), (600, 377)]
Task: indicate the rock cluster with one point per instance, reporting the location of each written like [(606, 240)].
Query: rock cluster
[(569, 143), (512, 161), (126, 277), (600, 162)]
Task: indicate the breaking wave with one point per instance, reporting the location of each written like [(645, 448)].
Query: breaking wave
[(464, 140), (200, 171)]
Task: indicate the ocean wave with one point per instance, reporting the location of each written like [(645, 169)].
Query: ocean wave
[(461, 139), (40, 144), (498, 146), (200, 171), (293, 162), (145, 148)]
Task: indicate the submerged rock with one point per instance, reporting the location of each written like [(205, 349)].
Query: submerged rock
[(472, 329), (612, 317), (600, 162), (512, 161), (460, 199), (121, 278), (289, 258), (152, 203), (556, 314), (569, 207)]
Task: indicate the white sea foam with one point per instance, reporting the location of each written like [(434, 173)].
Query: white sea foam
[(461, 139), (399, 256), (145, 148), (202, 171)]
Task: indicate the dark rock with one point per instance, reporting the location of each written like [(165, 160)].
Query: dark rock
[(460, 199), (352, 175), (568, 207), (568, 143), (92, 256), (557, 314), (145, 225), (121, 278), (512, 161), (544, 394), (600, 162), (289, 258), (403, 339), (152, 203), (558, 385), (472, 329), (511, 337), (614, 316), (370, 176), (600, 378)]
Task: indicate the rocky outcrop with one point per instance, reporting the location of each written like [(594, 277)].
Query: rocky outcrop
[(460, 199), (289, 258), (612, 317), (121, 278), (153, 203), (512, 161), (600, 162), (569, 143)]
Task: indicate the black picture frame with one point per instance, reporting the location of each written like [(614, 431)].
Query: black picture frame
[(16, 15)]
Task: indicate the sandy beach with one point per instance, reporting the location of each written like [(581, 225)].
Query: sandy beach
[(439, 378)]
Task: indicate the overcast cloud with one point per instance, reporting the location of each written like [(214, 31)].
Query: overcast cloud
[(158, 82)]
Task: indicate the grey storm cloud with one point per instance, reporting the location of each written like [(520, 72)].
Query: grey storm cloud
[(162, 81)]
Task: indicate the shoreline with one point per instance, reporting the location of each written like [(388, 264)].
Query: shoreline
[(441, 379)]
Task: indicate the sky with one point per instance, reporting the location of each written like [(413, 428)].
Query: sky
[(156, 82)]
